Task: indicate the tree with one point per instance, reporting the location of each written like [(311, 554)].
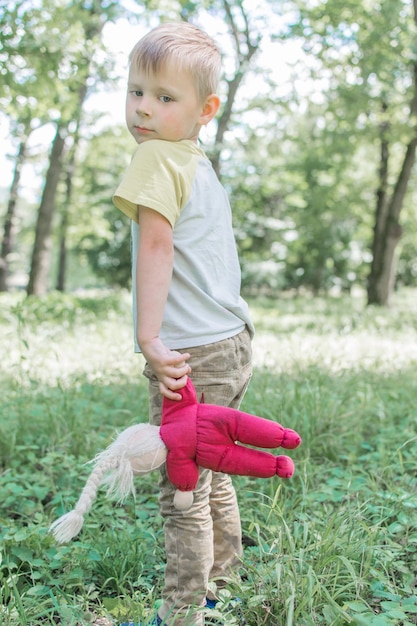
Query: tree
[(26, 88), (100, 234), (245, 32), (300, 161), (8, 233), (42, 247), (387, 229), (377, 83), (245, 45), (297, 187), (84, 24)]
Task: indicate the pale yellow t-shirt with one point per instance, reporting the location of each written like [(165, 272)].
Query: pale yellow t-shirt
[(177, 180)]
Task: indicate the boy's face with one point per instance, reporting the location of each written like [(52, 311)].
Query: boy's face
[(162, 105)]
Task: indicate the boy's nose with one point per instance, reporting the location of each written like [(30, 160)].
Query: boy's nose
[(143, 107)]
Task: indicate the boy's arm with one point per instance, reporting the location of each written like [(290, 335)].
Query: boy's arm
[(153, 278)]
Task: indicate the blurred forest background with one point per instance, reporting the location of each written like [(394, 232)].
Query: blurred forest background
[(316, 144), (315, 141)]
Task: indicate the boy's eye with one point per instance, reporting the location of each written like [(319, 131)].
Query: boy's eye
[(136, 92), (165, 99)]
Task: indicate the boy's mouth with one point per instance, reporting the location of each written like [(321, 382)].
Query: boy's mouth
[(142, 129)]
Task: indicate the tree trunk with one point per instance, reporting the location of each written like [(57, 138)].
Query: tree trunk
[(7, 244), (387, 230), (94, 23), (382, 277), (243, 62), (381, 214), (42, 247), (62, 259), (65, 210)]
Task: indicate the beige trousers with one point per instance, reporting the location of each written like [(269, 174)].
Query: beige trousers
[(204, 542)]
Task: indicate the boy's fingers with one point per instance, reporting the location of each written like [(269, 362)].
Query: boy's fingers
[(180, 358), (178, 382), (169, 393)]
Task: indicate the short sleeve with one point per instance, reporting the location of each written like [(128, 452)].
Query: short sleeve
[(159, 177)]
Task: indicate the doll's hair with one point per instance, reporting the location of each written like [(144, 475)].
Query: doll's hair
[(113, 468), (185, 45)]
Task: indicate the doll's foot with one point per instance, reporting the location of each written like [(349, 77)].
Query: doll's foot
[(285, 466)]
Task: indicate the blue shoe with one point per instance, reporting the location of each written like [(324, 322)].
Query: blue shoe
[(211, 604), (234, 603), (157, 621)]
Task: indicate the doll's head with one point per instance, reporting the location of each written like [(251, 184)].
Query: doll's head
[(137, 450)]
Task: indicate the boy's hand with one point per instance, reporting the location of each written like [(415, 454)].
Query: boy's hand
[(169, 366)]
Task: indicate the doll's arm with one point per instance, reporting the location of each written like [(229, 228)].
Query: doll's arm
[(182, 472)]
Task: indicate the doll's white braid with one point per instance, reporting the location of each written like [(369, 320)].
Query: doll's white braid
[(136, 442), (70, 524)]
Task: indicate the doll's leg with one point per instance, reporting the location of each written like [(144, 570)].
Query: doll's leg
[(248, 462)]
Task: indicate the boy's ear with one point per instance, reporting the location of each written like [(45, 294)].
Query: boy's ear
[(210, 108)]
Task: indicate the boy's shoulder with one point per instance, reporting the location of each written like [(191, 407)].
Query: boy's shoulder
[(166, 150)]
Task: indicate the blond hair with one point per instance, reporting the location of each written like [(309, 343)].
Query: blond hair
[(186, 45)]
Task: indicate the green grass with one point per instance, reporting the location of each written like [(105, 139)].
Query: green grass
[(335, 545)]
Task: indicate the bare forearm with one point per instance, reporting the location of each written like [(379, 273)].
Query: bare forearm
[(153, 278)]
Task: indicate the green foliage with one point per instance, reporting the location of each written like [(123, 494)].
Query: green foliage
[(335, 545), (371, 93), (344, 529), (106, 247), (303, 169), (49, 49), (303, 204), (302, 152)]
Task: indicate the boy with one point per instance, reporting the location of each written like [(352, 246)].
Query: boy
[(188, 313)]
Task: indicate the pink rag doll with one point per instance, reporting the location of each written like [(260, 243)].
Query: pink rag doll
[(191, 435)]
